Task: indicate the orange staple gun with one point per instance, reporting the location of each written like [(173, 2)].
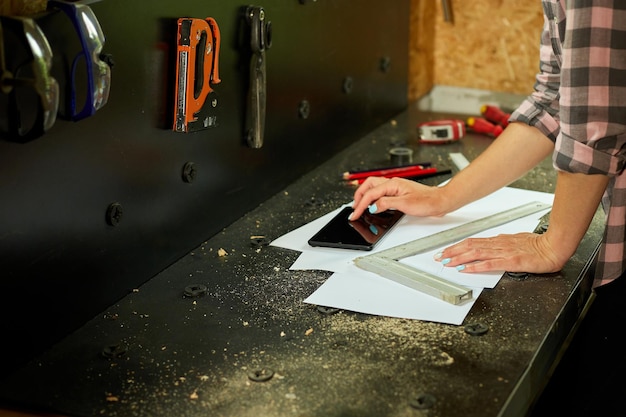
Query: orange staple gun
[(198, 48)]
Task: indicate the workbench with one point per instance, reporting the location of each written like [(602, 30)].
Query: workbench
[(224, 330)]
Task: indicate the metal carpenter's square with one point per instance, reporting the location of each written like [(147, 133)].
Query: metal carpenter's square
[(386, 263)]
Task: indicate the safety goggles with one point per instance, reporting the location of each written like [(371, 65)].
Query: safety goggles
[(25, 78), (89, 60)]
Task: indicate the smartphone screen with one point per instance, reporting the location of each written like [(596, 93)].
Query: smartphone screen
[(361, 234)]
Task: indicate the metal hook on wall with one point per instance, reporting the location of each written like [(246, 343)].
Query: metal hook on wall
[(447, 11)]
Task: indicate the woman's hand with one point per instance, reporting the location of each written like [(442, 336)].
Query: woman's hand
[(520, 252), (379, 194)]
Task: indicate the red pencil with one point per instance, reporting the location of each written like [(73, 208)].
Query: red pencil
[(381, 172), (406, 174)]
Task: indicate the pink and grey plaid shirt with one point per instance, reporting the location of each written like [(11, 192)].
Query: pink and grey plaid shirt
[(579, 102)]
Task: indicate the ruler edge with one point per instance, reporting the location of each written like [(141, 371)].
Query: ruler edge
[(385, 253)]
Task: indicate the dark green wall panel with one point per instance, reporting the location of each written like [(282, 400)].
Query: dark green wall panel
[(62, 263)]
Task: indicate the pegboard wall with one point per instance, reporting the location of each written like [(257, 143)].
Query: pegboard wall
[(94, 207)]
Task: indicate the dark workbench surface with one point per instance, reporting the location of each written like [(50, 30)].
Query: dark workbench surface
[(160, 352)]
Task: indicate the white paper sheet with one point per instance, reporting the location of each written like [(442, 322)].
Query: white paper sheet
[(354, 289), (365, 292)]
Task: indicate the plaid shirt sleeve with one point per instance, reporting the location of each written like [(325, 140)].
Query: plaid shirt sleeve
[(541, 108), (580, 103)]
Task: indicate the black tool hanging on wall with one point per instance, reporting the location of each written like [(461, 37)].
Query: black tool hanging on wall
[(260, 31), (29, 95)]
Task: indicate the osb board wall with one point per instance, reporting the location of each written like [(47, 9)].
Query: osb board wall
[(21, 7), (424, 14), (490, 44)]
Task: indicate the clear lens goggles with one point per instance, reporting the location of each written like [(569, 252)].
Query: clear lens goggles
[(33, 74)]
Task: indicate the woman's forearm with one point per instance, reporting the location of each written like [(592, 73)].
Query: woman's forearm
[(518, 149), (576, 200)]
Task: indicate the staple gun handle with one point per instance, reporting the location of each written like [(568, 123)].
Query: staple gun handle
[(203, 53), (215, 34)]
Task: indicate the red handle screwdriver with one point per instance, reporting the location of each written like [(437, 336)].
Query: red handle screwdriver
[(495, 115), (481, 125)]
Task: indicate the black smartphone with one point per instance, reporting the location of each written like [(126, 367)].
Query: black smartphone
[(361, 234)]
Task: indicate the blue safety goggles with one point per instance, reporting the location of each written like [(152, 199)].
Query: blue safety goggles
[(98, 72)]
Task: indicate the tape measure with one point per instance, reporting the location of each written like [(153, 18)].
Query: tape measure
[(386, 263), (441, 131)]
